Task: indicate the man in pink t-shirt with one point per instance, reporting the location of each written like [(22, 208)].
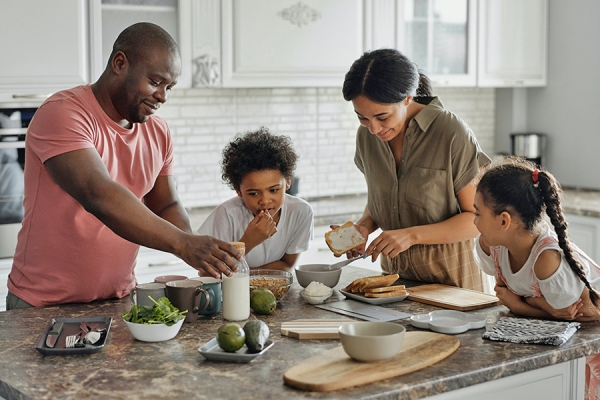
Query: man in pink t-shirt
[(99, 183)]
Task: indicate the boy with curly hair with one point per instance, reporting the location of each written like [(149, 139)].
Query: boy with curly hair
[(276, 227)]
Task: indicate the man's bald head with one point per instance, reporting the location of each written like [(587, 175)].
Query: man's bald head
[(139, 40)]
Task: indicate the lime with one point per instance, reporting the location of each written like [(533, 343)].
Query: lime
[(262, 301), (230, 337)]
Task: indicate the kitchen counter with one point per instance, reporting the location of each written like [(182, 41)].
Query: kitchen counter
[(126, 368), (582, 202)]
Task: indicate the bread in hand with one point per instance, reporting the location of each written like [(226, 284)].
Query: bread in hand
[(344, 238)]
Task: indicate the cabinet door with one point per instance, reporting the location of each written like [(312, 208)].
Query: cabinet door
[(45, 45), (111, 17), (513, 37), (440, 36), (275, 43), (585, 233)]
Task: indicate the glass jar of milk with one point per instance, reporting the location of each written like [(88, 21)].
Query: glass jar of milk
[(236, 289)]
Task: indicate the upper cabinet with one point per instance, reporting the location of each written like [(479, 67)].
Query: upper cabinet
[(275, 43), (111, 17), (441, 37), (44, 46), (513, 43)]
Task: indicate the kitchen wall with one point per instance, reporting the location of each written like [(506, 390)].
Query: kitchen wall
[(567, 109), (321, 124)]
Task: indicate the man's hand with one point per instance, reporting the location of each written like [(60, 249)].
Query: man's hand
[(211, 256)]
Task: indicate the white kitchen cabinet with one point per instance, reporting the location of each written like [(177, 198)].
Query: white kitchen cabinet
[(564, 381), (44, 47), (276, 43), (585, 233), (513, 43), (110, 17), (441, 37)]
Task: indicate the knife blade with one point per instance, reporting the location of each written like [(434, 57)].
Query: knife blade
[(54, 333)]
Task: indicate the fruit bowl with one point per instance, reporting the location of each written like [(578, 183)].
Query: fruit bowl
[(276, 281), (153, 332)]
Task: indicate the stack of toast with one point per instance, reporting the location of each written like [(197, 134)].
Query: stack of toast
[(377, 286)]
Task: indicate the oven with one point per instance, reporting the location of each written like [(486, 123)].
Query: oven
[(14, 120)]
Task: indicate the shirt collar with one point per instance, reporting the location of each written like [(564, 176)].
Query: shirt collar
[(427, 115)]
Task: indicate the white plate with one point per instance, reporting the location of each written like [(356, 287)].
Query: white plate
[(448, 321), (373, 300), (212, 351)]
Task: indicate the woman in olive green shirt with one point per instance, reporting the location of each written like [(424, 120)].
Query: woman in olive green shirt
[(419, 161)]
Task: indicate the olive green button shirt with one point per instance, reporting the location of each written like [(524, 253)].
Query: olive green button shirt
[(440, 157)]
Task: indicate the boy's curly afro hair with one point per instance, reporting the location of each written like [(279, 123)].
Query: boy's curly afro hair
[(256, 151)]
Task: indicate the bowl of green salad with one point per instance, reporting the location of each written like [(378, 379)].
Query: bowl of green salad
[(154, 324)]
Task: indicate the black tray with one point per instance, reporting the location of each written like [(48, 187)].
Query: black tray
[(71, 327)]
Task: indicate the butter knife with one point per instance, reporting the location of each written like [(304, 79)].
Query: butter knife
[(54, 333)]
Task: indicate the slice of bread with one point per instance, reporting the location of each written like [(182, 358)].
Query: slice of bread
[(386, 294), (359, 285), (385, 289), (344, 238)]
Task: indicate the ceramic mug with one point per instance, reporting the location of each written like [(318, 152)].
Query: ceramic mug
[(139, 294), (186, 295), (213, 287), (169, 278)]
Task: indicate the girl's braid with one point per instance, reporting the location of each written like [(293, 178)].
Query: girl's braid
[(550, 191)]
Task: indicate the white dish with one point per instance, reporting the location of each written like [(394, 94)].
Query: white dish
[(316, 299), (153, 332), (447, 321), (212, 351), (373, 300)]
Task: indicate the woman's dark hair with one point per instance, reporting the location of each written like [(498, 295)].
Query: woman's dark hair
[(385, 76), (508, 185), (256, 151)]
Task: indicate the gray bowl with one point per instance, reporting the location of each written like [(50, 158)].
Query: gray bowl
[(307, 273)]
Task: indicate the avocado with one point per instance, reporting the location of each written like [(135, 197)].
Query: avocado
[(257, 333), (262, 301)]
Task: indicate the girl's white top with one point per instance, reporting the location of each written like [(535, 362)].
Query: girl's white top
[(560, 290)]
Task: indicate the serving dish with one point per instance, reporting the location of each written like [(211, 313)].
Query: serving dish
[(212, 351), (316, 299), (276, 281), (153, 332), (373, 300), (448, 321), (71, 326)]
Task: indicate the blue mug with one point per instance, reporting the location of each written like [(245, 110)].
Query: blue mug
[(213, 287)]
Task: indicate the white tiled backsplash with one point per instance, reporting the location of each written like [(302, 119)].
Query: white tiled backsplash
[(320, 122)]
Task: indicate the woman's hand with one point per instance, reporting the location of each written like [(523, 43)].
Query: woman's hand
[(358, 251), (390, 243)]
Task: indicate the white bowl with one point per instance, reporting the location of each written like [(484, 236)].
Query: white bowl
[(316, 299), (307, 273), (371, 341), (153, 332)]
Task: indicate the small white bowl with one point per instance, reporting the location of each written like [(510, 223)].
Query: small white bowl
[(153, 332), (371, 341), (316, 299)]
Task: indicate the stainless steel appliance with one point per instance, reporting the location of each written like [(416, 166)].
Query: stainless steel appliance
[(531, 146), (13, 128)]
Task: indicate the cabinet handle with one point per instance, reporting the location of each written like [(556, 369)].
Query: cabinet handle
[(31, 96)]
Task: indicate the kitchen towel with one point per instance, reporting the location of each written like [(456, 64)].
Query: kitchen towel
[(520, 330)]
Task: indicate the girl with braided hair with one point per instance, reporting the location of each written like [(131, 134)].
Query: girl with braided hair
[(539, 272)]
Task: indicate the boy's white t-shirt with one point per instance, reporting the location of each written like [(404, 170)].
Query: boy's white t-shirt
[(229, 221), (560, 290)]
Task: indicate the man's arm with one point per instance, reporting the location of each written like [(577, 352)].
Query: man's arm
[(82, 174)]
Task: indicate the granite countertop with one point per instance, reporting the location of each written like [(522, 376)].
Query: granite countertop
[(126, 368), (582, 202)]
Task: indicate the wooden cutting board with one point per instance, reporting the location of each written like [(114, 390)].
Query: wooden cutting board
[(313, 328), (451, 297), (334, 369)]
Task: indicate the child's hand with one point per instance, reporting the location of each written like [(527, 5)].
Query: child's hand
[(566, 314), (506, 296), (260, 228)]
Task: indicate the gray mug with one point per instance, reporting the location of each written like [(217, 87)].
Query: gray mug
[(186, 295), (139, 294), (213, 287)]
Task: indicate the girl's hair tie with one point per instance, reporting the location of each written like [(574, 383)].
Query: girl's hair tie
[(534, 176)]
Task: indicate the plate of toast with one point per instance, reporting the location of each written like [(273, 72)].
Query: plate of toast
[(379, 289)]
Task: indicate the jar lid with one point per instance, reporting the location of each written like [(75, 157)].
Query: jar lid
[(239, 246)]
